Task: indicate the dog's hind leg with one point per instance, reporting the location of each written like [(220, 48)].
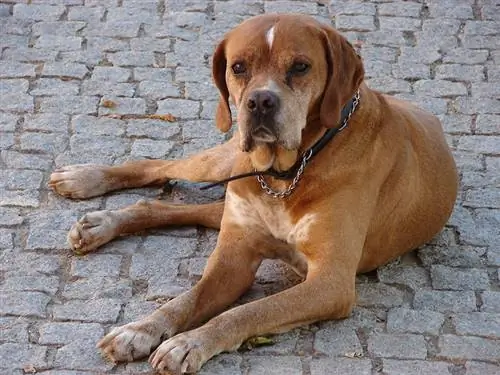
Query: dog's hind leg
[(90, 180), (97, 228)]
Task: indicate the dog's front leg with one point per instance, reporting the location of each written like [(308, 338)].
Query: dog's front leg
[(327, 293), (229, 273)]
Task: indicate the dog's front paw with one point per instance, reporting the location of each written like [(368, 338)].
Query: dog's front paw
[(93, 230), (130, 342), (184, 353)]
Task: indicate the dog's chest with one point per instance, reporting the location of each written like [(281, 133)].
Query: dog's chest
[(265, 217)]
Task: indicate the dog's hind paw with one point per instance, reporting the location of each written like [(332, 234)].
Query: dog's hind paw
[(80, 181), (93, 230)]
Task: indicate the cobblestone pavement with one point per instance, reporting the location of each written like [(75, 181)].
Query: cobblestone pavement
[(436, 311)]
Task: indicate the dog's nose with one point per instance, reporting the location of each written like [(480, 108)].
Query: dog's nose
[(263, 102)]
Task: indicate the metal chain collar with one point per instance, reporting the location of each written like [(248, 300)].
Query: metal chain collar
[(305, 158)]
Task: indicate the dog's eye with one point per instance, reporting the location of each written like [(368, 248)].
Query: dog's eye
[(299, 68), (239, 68)]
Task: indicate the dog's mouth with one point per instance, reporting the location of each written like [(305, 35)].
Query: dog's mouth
[(267, 155), (263, 135), (266, 150)]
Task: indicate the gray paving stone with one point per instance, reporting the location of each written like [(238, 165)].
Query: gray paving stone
[(275, 365), (6, 239), (123, 106), (153, 74), (411, 71), (8, 122), (22, 198), (468, 347), (87, 14), (69, 104), (397, 346), (481, 368), (20, 179), (487, 124), (51, 122), (46, 239), (132, 58), (92, 125), (43, 142), (440, 88), (456, 123), (413, 277), (418, 54), (29, 262), (30, 283), (38, 12), (111, 73), (484, 197), (47, 86), (379, 295), (445, 301), (444, 277), (158, 90), (24, 304), (81, 354), (99, 287), (355, 22), (152, 129), (404, 320), (465, 56), (28, 55), (64, 69), (337, 341), (180, 108), (61, 43), (397, 367), (20, 355), (455, 256), (114, 29), (340, 366), (491, 301), (65, 333), (10, 216), (138, 309), (479, 143), (450, 9), (97, 310), (457, 72), (107, 145), (96, 265), (14, 329), (227, 364), (477, 324), (108, 88), (399, 23), (106, 44), (155, 149)]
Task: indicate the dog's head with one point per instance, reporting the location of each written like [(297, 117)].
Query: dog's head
[(282, 71)]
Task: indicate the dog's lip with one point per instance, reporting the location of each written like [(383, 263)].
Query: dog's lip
[(263, 134)]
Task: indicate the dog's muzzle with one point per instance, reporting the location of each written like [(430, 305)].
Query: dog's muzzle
[(262, 106)]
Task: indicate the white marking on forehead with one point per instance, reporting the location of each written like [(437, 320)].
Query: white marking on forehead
[(270, 37)]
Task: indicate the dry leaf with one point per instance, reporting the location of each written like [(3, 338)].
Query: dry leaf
[(257, 341), (166, 117), (106, 103), (353, 355), (29, 369)]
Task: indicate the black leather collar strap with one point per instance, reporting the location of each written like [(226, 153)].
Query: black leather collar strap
[(346, 113)]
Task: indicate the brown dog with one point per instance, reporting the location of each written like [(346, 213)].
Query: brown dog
[(383, 186)]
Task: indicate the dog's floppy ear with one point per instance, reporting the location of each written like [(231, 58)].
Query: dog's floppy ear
[(223, 114), (345, 74)]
